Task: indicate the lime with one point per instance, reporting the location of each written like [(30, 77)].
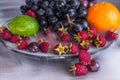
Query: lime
[(23, 25)]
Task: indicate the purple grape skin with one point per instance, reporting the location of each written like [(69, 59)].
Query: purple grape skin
[(84, 3), (91, 2), (94, 66), (33, 47)]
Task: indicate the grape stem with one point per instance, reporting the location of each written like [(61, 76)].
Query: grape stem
[(70, 22)]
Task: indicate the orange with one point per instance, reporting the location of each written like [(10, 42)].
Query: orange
[(104, 16)]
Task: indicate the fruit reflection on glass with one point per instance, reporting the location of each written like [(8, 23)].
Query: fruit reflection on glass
[(63, 27)]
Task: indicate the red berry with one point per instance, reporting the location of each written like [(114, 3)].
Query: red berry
[(31, 13), (47, 31), (26, 38), (111, 36), (92, 32), (84, 45), (73, 48), (93, 66), (79, 69), (80, 36), (59, 49), (14, 39), (99, 41), (84, 57), (48, 34), (67, 49), (6, 35), (44, 47), (65, 38), (39, 38), (22, 44), (61, 31)]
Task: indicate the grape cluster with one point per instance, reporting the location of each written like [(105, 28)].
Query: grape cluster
[(54, 13)]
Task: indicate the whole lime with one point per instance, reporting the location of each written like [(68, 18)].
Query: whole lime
[(23, 25)]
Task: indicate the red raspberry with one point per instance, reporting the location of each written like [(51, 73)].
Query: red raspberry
[(73, 48), (61, 31), (59, 49), (80, 36), (92, 32), (67, 49), (22, 44), (99, 41), (84, 45), (48, 34), (84, 57), (14, 39), (44, 47), (6, 35), (111, 36), (39, 38), (47, 31), (31, 13), (26, 38), (65, 38), (79, 69)]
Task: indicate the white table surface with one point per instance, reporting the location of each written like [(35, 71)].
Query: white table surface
[(30, 69)]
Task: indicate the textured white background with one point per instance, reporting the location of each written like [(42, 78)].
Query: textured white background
[(28, 69)]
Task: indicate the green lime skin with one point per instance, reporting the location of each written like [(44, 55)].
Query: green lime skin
[(23, 25)]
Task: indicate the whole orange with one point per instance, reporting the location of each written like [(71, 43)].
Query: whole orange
[(104, 16)]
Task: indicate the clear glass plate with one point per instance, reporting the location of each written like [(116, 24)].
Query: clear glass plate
[(40, 55)]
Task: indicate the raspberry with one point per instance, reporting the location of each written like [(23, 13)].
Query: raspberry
[(47, 31), (84, 57), (73, 48), (14, 39), (22, 44), (80, 36), (111, 36), (44, 47), (31, 13), (99, 41), (65, 38), (92, 32), (61, 31), (84, 45), (79, 69), (59, 49), (6, 35), (26, 38)]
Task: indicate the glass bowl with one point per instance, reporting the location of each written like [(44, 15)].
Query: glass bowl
[(40, 55)]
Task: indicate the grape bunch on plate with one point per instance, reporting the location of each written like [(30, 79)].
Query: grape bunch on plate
[(54, 13)]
